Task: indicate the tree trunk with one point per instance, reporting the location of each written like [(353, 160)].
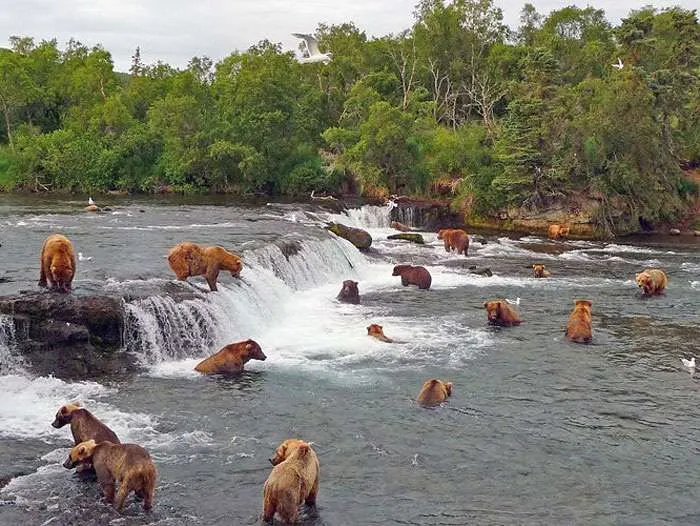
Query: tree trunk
[(6, 112)]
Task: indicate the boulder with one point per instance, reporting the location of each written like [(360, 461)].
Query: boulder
[(481, 271), (68, 336), (413, 238), (358, 237)]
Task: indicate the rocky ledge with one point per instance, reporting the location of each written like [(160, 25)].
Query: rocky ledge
[(74, 336)]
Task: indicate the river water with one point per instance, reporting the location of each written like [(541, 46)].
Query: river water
[(538, 430)]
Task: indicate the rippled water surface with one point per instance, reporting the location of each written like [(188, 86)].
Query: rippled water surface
[(538, 430)]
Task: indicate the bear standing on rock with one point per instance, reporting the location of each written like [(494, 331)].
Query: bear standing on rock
[(188, 259), (57, 263), (411, 275), (231, 359)]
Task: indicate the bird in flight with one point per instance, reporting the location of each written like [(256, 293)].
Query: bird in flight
[(314, 52), (619, 64)]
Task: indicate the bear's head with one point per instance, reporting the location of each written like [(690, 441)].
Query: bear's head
[(64, 415), (62, 273), (349, 290), (583, 304), (493, 309), (400, 269), (441, 233), (564, 230), (232, 263), (643, 280), (252, 350), (80, 453), (375, 330), (285, 449), (448, 388), (538, 270)]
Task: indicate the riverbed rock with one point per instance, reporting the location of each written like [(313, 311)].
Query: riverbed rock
[(413, 238), (358, 237), (68, 336), (480, 271)]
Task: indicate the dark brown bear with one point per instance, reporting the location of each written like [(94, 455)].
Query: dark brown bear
[(411, 275), (500, 313), (349, 293), (231, 358)]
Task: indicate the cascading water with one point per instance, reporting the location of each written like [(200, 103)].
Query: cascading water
[(8, 359), (367, 216), (160, 328)]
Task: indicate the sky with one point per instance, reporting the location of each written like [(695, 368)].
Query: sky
[(173, 31)]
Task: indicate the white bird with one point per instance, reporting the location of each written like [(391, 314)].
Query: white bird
[(516, 301), (619, 64), (84, 258), (90, 201), (689, 364), (314, 52)]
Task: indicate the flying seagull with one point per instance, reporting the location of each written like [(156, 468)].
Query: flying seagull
[(619, 64), (311, 45)]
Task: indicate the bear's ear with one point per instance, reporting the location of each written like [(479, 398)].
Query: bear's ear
[(249, 345), (81, 450), (356, 283)]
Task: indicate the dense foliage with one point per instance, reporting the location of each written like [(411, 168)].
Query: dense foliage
[(458, 105)]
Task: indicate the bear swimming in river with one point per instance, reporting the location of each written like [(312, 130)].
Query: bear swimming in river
[(231, 358), (349, 293)]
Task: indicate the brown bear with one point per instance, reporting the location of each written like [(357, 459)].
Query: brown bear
[(411, 275), (579, 326), (652, 281), (557, 231), (349, 293), (500, 313), (188, 259), (57, 263), (455, 239), (231, 359), (293, 481), (84, 426), (539, 271), (434, 392), (376, 331), (128, 464), (400, 226)]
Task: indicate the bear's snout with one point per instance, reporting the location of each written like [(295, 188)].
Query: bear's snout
[(272, 461), (68, 464), (56, 424)]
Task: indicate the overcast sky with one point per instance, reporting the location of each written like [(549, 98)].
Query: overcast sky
[(176, 30)]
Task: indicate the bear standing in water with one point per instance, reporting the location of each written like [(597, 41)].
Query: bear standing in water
[(455, 239), (128, 464), (652, 281), (231, 359), (411, 275), (499, 312), (434, 392), (188, 259), (349, 293), (580, 325), (539, 271), (293, 481), (57, 263)]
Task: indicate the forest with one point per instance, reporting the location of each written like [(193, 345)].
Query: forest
[(459, 106)]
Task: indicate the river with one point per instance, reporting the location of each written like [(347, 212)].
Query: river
[(538, 431)]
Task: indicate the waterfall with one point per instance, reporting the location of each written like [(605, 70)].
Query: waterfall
[(367, 216), (160, 328), (9, 360), (405, 215)]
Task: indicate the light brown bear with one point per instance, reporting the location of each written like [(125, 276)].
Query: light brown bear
[(231, 359), (580, 325), (455, 239), (539, 271), (557, 231), (83, 426), (377, 331), (652, 281), (434, 392), (57, 263), (400, 226), (128, 464), (294, 480), (350, 293), (500, 313), (411, 275), (187, 259)]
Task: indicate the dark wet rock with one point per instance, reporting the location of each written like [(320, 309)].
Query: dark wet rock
[(424, 213), (290, 247), (481, 271), (413, 238), (68, 336), (329, 203), (358, 237)]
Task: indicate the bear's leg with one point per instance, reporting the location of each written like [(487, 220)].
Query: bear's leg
[(311, 499), (147, 498), (268, 510), (42, 276), (447, 245), (121, 495), (212, 275), (108, 491), (404, 281)]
